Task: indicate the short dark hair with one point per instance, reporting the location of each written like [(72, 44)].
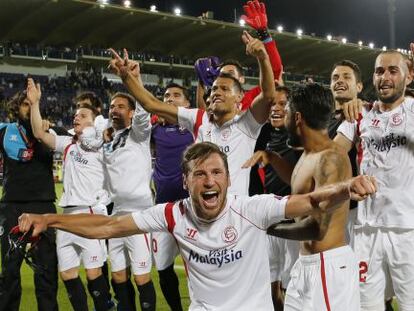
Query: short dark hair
[(236, 82), (200, 152), (234, 63), (355, 68), (95, 111), (182, 88), (14, 103), (92, 97), (282, 88), (315, 103), (129, 98)]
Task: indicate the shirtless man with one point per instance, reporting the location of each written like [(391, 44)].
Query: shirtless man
[(326, 274)]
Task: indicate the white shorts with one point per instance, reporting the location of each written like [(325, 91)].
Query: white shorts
[(72, 250), (164, 249), (324, 281), (283, 254), (384, 255), (133, 251)]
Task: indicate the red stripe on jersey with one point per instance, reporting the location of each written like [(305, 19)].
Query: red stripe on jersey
[(198, 123), (360, 149), (169, 217), (323, 277), (146, 241), (65, 152)]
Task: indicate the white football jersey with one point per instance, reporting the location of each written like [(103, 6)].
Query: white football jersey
[(236, 138), (386, 152), (83, 173), (127, 161), (226, 258)]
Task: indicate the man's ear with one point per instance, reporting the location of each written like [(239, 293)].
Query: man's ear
[(360, 86), (298, 118), (131, 113)]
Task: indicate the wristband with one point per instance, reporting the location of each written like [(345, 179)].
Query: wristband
[(263, 34)]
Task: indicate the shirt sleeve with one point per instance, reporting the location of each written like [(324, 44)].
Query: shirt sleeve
[(187, 118), (141, 125), (152, 219), (348, 129), (266, 209), (62, 142), (248, 124)]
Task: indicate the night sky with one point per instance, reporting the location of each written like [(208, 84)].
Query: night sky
[(365, 20)]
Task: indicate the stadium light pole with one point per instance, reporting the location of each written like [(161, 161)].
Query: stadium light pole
[(391, 19)]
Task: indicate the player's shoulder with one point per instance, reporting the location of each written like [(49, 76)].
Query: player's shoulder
[(332, 153), (332, 161), (409, 104)]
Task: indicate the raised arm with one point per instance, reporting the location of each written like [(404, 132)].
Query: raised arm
[(85, 225), (264, 157), (33, 95), (256, 17), (260, 107), (130, 74)]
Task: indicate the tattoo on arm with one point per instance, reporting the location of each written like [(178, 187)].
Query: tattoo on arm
[(333, 167)]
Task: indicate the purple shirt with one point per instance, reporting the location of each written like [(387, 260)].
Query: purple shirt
[(170, 142)]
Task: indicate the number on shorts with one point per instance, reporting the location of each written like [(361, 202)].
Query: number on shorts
[(363, 269), (154, 245)]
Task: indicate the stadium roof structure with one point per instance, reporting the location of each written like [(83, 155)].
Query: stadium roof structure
[(75, 23)]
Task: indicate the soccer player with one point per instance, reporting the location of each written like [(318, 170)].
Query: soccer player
[(127, 161), (169, 142), (222, 237), (83, 181), (326, 274), (256, 17), (27, 187), (346, 85), (235, 134), (384, 230)]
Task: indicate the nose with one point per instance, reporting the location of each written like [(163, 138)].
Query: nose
[(386, 75), (209, 181)]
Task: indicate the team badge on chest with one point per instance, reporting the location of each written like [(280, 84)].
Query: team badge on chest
[(229, 234), (225, 134), (396, 119)]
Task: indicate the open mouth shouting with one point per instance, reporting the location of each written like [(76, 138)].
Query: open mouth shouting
[(210, 198)]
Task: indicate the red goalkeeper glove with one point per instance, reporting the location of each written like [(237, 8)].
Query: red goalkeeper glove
[(256, 18)]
